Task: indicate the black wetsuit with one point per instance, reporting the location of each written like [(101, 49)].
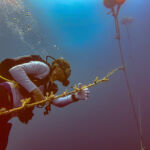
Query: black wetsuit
[(5, 102)]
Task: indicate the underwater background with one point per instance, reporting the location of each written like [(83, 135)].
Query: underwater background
[(83, 33)]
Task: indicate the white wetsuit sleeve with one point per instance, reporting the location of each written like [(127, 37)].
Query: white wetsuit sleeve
[(63, 101), (35, 68)]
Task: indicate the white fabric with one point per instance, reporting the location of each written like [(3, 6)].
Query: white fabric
[(20, 74), (17, 97), (63, 101), (39, 70), (36, 68)]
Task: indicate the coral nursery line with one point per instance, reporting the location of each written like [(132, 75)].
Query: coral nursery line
[(50, 97)]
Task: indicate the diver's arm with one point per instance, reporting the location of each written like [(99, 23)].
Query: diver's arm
[(37, 94), (20, 74), (35, 68), (64, 101)]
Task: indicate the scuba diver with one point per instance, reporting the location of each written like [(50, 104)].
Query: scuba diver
[(35, 77)]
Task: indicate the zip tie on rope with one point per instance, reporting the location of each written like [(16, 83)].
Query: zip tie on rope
[(50, 97)]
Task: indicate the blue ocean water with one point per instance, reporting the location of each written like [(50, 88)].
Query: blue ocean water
[(83, 33)]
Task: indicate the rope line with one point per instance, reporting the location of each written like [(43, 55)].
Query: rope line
[(138, 101), (138, 125), (50, 97), (12, 81)]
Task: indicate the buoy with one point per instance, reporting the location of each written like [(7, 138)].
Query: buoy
[(120, 2), (109, 3)]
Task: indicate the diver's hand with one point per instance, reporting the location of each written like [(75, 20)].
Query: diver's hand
[(37, 95), (83, 94)]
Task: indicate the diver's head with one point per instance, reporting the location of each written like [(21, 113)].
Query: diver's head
[(60, 71)]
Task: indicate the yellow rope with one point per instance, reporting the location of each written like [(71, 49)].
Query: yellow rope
[(50, 97), (12, 81)]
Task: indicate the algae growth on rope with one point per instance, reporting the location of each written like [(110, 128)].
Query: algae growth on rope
[(49, 97)]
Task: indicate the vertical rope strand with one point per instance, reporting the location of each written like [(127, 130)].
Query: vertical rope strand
[(128, 85), (139, 113)]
